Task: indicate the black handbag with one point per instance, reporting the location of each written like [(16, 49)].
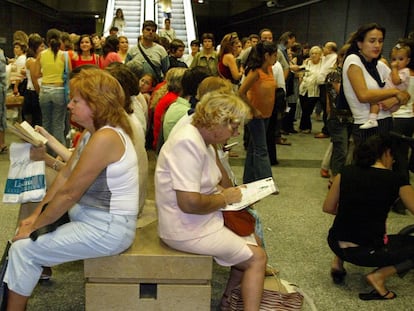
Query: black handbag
[(51, 227), (3, 286)]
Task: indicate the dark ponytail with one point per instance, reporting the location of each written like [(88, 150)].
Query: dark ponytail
[(257, 54), (53, 38)]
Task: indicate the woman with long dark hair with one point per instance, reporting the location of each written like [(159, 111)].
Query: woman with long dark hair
[(258, 91), (85, 54), (364, 78), (31, 108)]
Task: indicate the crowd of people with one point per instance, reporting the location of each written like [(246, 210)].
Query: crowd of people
[(185, 108)]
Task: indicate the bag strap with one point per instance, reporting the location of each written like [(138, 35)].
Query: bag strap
[(65, 53), (149, 62)]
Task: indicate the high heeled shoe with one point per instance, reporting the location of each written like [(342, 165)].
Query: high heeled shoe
[(338, 276)]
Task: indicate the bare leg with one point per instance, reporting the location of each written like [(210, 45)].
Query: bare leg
[(253, 279), (377, 279), (16, 302), (234, 280), (337, 264)]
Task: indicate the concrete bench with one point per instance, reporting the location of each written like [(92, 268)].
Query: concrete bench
[(148, 276)]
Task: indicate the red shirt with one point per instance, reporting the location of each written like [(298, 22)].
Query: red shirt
[(159, 111)]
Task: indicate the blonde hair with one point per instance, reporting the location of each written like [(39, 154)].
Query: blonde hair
[(315, 48), (210, 84), (104, 95), (217, 108)]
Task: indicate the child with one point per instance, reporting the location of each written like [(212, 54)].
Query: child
[(399, 78)]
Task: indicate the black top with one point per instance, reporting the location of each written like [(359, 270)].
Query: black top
[(366, 196)]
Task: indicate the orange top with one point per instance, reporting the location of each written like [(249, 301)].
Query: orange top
[(262, 94)]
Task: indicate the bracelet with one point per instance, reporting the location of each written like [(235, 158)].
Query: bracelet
[(224, 197), (55, 165)]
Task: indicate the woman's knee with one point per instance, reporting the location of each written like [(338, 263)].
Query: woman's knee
[(259, 256)]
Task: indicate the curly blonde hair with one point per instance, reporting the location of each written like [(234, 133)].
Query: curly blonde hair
[(218, 108), (104, 95)]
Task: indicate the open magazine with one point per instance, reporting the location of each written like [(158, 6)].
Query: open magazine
[(26, 132), (253, 192)]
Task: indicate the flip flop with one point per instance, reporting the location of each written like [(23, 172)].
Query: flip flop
[(374, 295), (4, 149)]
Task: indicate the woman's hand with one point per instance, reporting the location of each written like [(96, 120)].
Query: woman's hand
[(232, 195), (42, 131), (25, 228), (23, 232), (38, 153)]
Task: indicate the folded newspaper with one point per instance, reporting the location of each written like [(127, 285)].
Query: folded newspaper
[(253, 192)]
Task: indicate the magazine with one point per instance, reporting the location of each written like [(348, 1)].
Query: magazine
[(253, 192), (26, 132)]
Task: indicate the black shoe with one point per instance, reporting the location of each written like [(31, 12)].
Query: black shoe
[(338, 276)]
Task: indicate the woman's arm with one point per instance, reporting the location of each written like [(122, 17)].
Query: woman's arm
[(202, 204), (230, 61), (37, 73), (104, 147), (330, 205), (248, 82), (365, 95)]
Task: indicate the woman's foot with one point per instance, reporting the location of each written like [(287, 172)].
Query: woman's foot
[(325, 173), (374, 295), (4, 149), (377, 280), (338, 276)]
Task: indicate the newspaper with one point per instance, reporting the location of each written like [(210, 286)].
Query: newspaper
[(253, 192)]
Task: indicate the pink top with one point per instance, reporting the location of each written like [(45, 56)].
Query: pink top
[(110, 58)]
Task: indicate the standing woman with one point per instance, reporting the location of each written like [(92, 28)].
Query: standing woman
[(363, 81), (85, 53), (309, 88), (110, 49), (50, 65), (258, 91), (31, 108), (123, 48), (230, 48), (119, 21)]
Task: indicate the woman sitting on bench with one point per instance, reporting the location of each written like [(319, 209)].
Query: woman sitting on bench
[(190, 191), (97, 187), (361, 197)]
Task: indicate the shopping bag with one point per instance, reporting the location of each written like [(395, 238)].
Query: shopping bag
[(26, 179)]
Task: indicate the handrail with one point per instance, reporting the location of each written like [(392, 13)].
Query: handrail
[(189, 21), (109, 16)]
